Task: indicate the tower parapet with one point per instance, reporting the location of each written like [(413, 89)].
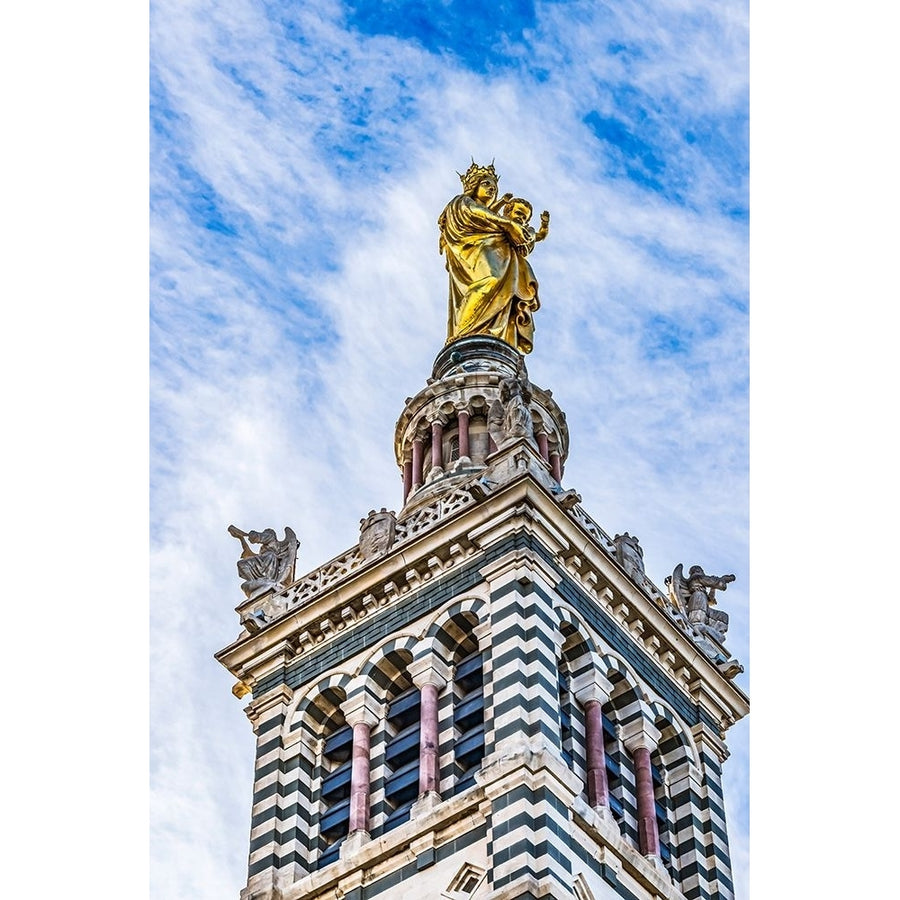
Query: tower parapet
[(478, 400)]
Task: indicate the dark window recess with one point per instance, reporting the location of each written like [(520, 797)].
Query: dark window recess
[(397, 817), (403, 747), (470, 748), (469, 672), (333, 823), (339, 744), (454, 448), (565, 716), (332, 854), (469, 712), (403, 785), (336, 785), (334, 801), (609, 729), (401, 757), (615, 804), (469, 884), (660, 806), (404, 710), (468, 719), (613, 768)]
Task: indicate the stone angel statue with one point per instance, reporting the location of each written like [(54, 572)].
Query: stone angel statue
[(694, 595), (509, 416), (269, 568)]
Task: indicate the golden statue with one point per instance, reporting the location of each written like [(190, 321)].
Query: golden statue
[(485, 240)]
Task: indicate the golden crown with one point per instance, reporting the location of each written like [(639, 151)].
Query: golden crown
[(475, 173)]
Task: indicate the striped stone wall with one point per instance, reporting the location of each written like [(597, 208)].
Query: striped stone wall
[(516, 605)]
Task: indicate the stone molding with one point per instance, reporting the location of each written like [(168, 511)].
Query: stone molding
[(639, 733), (438, 552)]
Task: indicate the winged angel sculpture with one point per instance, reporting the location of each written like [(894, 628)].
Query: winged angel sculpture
[(693, 597), (269, 568)]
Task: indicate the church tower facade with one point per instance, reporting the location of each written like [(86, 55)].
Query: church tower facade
[(486, 697)]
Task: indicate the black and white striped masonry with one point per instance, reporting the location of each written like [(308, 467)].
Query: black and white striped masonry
[(486, 702)]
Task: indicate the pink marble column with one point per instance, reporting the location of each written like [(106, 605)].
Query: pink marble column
[(417, 449), (556, 466), (648, 832), (437, 445), (407, 478), (359, 778), (597, 785), (464, 433), (544, 445), (429, 774)]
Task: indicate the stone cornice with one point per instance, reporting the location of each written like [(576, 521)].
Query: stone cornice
[(521, 505)]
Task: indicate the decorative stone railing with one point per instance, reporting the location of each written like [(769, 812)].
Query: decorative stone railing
[(709, 644), (425, 518), (606, 543), (255, 613), (319, 580)]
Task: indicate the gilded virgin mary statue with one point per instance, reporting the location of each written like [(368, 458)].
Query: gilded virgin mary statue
[(485, 241)]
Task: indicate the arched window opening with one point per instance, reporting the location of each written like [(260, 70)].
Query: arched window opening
[(463, 744), (468, 715), (573, 663), (479, 440), (566, 704), (335, 762), (671, 755), (620, 775), (613, 754), (661, 807), (401, 753)]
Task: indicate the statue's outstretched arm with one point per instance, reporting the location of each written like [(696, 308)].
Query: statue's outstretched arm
[(242, 536)]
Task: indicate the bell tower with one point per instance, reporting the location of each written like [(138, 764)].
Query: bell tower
[(486, 697)]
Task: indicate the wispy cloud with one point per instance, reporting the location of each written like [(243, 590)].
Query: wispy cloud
[(300, 156)]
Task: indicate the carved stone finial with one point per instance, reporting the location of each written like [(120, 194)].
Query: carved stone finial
[(630, 556), (485, 240), (269, 568), (376, 533)]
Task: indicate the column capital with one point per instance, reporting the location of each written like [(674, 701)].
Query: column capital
[(429, 670), (262, 708), (640, 733), (362, 708), (591, 685)]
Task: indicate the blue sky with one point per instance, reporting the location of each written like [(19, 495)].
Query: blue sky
[(298, 163), (300, 154), (299, 157)]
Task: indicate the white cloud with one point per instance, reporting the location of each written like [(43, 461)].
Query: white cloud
[(283, 353)]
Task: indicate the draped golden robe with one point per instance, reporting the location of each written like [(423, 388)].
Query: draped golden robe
[(493, 290)]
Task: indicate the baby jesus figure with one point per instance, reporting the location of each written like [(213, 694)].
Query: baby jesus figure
[(520, 211)]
